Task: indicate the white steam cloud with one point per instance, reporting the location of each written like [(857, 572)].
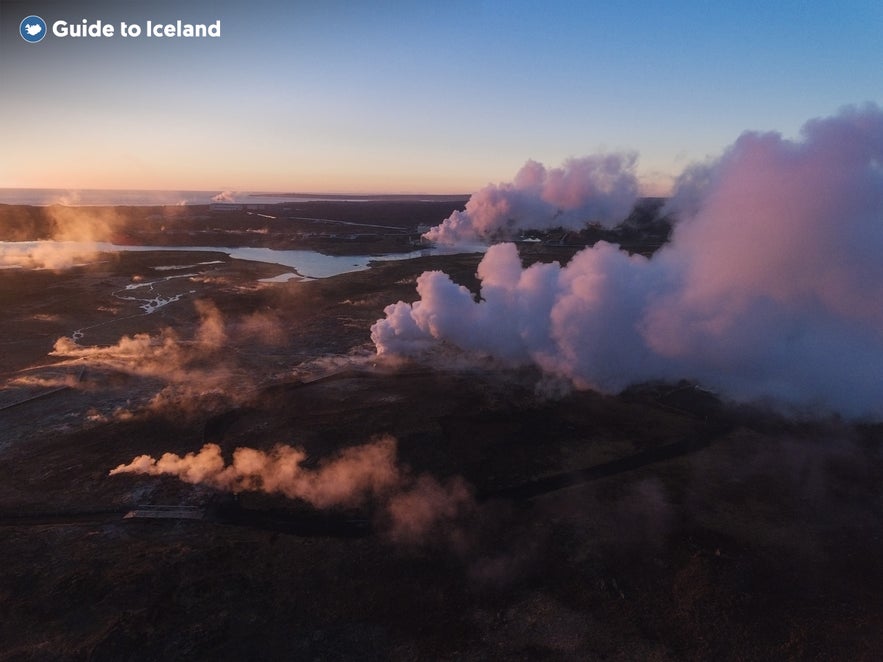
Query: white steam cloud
[(771, 287), (593, 189)]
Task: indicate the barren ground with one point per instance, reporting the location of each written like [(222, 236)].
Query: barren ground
[(659, 524)]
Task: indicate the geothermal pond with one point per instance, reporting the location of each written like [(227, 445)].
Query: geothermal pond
[(303, 263)]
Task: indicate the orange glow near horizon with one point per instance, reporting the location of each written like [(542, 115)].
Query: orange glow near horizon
[(334, 182), (338, 183)]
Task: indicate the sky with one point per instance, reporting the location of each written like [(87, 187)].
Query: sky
[(414, 97)]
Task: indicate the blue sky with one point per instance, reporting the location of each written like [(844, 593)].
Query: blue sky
[(415, 96)]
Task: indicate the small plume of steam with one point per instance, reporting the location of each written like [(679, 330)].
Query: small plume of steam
[(67, 198), (601, 188), (769, 289), (264, 328), (211, 332), (69, 381), (140, 354), (414, 508), (84, 224), (192, 370), (164, 355), (345, 480), (75, 233), (54, 255), (416, 512), (196, 371), (225, 196)]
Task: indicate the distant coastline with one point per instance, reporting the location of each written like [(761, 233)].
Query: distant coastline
[(379, 197), (113, 197), (102, 197)]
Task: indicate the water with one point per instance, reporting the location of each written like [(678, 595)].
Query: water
[(308, 264)]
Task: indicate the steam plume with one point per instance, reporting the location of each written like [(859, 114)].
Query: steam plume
[(225, 196), (771, 288), (191, 369), (75, 233), (600, 188), (354, 474), (165, 355), (413, 506), (55, 255)]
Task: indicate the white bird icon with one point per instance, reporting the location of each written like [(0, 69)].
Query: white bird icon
[(33, 29)]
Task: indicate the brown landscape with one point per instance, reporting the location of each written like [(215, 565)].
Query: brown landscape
[(518, 519)]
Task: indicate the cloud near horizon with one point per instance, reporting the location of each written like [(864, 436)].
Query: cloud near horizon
[(771, 287)]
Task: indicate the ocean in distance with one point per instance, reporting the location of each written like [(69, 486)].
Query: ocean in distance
[(112, 197)]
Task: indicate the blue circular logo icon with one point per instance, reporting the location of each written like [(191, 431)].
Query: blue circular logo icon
[(32, 29)]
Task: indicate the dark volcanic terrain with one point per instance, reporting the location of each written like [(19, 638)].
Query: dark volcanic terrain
[(660, 524)]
